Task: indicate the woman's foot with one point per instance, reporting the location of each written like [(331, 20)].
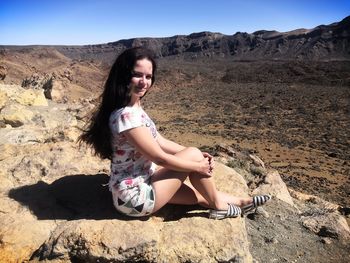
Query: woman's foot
[(231, 212), (258, 200)]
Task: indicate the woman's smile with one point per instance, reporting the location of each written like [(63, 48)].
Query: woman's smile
[(141, 79)]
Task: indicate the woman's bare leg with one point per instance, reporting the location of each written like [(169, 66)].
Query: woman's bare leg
[(238, 201), (170, 187), (165, 184), (188, 195)]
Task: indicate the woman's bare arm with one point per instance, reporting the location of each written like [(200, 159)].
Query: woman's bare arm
[(142, 139), (169, 146)]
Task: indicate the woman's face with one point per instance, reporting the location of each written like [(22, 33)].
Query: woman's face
[(141, 79)]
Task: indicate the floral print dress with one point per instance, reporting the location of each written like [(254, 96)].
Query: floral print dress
[(130, 170)]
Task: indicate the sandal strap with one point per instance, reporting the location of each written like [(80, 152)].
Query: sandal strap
[(232, 211), (258, 200)]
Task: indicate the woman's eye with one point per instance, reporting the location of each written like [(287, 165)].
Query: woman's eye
[(140, 75), (137, 75)]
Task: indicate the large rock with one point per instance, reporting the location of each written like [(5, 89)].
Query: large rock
[(21, 237), (36, 81), (3, 72), (16, 115), (322, 217), (274, 185), (26, 97), (188, 240), (104, 240), (260, 179), (58, 86), (20, 232), (331, 225), (57, 92), (32, 98), (28, 134), (89, 229), (47, 163), (50, 184), (3, 98)]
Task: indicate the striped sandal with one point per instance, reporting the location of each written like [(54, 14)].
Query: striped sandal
[(232, 211), (258, 200)]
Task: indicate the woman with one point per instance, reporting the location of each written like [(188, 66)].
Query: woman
[(122, 131)]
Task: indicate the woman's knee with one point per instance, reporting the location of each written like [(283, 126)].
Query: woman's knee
[(194, 153)]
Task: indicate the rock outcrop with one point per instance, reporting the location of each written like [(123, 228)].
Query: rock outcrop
[(3, 72), (55, 206)]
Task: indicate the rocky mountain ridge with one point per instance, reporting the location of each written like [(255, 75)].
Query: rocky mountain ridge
[(320, 43), (324, 42)]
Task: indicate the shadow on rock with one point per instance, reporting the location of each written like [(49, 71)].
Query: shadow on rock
[(71, 197), (84, 197), (172, 212)]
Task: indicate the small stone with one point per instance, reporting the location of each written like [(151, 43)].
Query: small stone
[(326, 240), (271, 240)]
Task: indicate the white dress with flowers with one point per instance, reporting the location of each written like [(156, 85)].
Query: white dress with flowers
[(130, 170)]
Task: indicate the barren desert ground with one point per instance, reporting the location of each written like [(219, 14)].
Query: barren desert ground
[(295, 116)]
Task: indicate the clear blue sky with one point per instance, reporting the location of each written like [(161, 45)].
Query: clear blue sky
[(79, 22)]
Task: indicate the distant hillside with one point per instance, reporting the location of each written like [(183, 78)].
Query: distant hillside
[(324, 42)]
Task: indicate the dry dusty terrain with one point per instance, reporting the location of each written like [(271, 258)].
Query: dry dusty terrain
[(294, 115)]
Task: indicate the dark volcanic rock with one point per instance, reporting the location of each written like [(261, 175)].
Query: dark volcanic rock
[(324, 42)]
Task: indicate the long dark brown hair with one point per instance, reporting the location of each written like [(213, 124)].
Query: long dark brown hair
[(115, 96)]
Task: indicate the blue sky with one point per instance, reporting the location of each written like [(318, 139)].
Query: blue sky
[(78, 22)]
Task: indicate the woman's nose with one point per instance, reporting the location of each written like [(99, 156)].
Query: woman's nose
[(143, 79)]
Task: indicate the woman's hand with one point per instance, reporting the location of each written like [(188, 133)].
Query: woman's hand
[(205, 167), (210, 159)]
